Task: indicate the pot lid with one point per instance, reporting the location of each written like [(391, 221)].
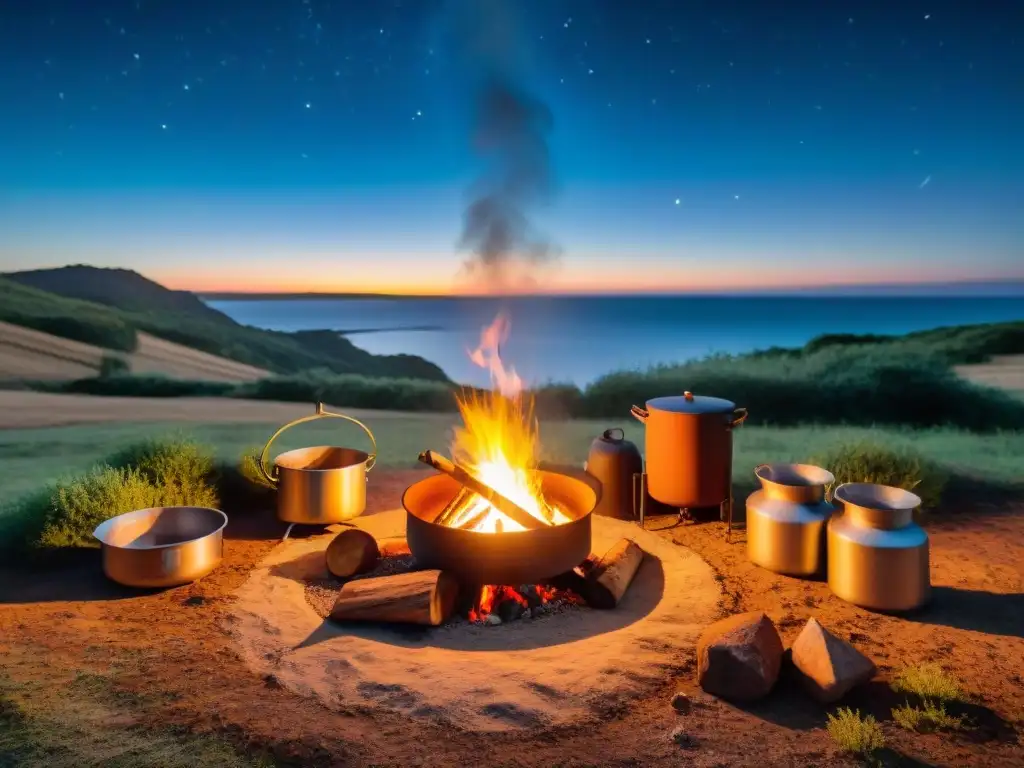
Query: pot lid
[(691, 403)]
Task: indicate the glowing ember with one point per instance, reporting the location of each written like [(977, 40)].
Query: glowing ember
[(499, 443), (510, 603)]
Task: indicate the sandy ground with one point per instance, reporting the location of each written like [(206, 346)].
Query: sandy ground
[(26, 353), (173, 664), (518, 676), (1005, 372), (27, 410)]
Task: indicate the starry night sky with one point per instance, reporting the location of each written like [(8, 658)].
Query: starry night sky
[(326, 145)]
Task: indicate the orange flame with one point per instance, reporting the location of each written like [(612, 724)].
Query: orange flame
[(499, 442)]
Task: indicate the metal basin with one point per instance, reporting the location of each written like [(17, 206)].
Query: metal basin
[(162, 546), (512, 558)]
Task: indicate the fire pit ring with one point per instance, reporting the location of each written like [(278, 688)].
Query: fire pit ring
[(512, 558)]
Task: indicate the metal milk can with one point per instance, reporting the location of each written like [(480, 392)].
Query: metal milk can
[(877, 554), (615, 461), (786, 518)]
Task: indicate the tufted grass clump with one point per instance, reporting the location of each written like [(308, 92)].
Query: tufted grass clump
[(871, 462), (929, 717), (179, 468), (861, 735), (929, 682)]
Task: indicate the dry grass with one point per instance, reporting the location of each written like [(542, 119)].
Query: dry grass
[(927, 718), (89, 723), (31, 354)]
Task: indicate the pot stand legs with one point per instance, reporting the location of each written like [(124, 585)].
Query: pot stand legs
[(725, 508)]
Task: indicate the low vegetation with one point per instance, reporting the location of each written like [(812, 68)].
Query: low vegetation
[(927, 718), (834, 386), (929, 682), (870, 462), (153, 473), (929, 690), (854, 733)]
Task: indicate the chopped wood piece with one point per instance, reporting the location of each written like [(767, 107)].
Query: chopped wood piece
[(350, 552), (612, 575), (420, 597), (453, 507), (498, 500)]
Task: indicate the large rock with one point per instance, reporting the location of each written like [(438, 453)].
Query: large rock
[(738, 658), (829, 666)]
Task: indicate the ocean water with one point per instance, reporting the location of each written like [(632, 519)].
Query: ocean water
[(578, 339)]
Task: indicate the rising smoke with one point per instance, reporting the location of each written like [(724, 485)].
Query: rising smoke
[(509, 133)]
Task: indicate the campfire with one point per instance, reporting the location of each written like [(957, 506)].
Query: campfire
[(494, 532)]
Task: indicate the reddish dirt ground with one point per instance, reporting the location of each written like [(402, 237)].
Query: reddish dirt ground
[(169, 651)]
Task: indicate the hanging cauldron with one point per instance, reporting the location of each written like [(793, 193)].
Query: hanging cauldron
[(688, 449), (320, 485)]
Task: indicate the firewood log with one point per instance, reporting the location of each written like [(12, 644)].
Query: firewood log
[(350, 552), (453, 507), (419, 597), (497, 499), (611, 577)]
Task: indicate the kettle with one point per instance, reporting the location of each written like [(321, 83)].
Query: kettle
[(614, 460)]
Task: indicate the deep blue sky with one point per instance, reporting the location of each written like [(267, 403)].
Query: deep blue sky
[(314, 145)]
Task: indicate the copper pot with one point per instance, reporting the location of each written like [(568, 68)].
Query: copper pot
[(688, 448)]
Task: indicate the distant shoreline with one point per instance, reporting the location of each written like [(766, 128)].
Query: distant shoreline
[(1012, 288)]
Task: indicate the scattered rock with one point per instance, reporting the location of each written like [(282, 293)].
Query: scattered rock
[(829, 666), (194, 600), (493, 619), (738, 658), (683, 739), (681, 703), (271, 681)]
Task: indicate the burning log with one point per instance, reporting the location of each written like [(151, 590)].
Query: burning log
[(419, 597), (612, 575), (497, 500), (453, 507), (354, 551)]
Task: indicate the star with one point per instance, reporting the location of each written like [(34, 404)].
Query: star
[(185, 86), (419, 113), (678, 201), (925, 183), (590, 71), (309, 105), (927, 16), (735, 197), (61, 95), (135, 56), (648, 41), (163, 126)]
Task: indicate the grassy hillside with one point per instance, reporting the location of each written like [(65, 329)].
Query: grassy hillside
[(173, 316)]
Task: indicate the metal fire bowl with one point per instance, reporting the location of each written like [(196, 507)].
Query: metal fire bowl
[(513, 558)]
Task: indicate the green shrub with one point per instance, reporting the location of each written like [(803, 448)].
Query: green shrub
[(178, 467), (853, 733), (929, 682), (75, 507), (113, 365), (352, 391), (156, 473), (867, 462), (926, 718)]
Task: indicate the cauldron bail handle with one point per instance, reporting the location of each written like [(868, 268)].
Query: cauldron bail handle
[(609, 434), (270, 476), (738, 417)]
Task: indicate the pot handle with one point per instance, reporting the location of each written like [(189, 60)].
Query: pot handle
[(268, 472), (738, 417), (609, 434), (639, 413)]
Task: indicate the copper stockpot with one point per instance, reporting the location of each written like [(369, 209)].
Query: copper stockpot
[(688, 449), (322, 484)]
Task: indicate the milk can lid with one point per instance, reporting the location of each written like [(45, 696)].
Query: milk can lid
[(691, 403)]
